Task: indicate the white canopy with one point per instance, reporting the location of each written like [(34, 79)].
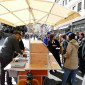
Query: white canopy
[(22, 12)]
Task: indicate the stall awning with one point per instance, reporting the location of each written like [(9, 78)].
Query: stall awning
[(23, 12), (64, 27)]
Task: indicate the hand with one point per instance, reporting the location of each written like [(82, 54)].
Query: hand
[(25, 49), (15, 52), (13, 59), (62, 60), (22, 51), (63, 55), (83, 57), (54, 45)]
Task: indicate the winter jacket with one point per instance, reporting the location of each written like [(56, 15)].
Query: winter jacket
[(71, 55), (51, 48), (64, 45), (11, 44), (83, 48), (46, 40), (81, 43)]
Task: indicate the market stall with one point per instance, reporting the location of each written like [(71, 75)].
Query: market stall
[(38, 62)]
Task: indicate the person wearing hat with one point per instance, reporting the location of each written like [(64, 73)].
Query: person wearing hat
[(11, 44), (67, 33), (46, 38), (21, 44), (71, 62)]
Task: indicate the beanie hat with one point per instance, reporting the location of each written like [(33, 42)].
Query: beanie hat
[(48, 32), (71, 36), (68, 32)]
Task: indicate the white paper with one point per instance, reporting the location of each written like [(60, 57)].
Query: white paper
[(53, 62), (57, 48)]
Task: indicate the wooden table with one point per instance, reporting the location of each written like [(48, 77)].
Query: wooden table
[(38, 70)]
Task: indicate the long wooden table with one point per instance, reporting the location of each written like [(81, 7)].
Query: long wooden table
[(38, 70)]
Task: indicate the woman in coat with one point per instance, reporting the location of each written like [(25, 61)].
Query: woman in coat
[(54, 48)]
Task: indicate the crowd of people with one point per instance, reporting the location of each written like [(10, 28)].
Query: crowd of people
[(72, 48)]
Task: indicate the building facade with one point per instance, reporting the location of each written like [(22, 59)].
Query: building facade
[(77, 24), (75, 5)]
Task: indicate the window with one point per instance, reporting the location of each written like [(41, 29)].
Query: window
[(74, 8), (74, 29), (79, 6), (78, 28), (83, 28), (63, 3), (84, 4)]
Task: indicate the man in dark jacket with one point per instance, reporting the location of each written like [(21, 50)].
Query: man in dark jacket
[(82, 67), (65, 43), (83, 64), (81, 42), (11, 44)]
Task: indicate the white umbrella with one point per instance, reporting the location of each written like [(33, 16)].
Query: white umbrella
[(23, 12)]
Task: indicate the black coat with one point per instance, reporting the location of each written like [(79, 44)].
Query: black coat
[(82, 68), (21, 45), (81, 43), (51, 48), (64, 45), (11, 44)]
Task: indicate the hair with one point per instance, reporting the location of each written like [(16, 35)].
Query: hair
[(64, 36), (71, 36), (17, 32), (82, 33), (51, 37), (77, 32)]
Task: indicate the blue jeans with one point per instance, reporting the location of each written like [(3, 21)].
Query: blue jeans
[(66, 75)]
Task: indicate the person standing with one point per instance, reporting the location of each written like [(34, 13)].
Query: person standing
[(81, 41), (54, 47), (46, 38), (64, 46), (82, 65), (82, 69), (64, 43), (71, 62), (21, 45), (11, 44)]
